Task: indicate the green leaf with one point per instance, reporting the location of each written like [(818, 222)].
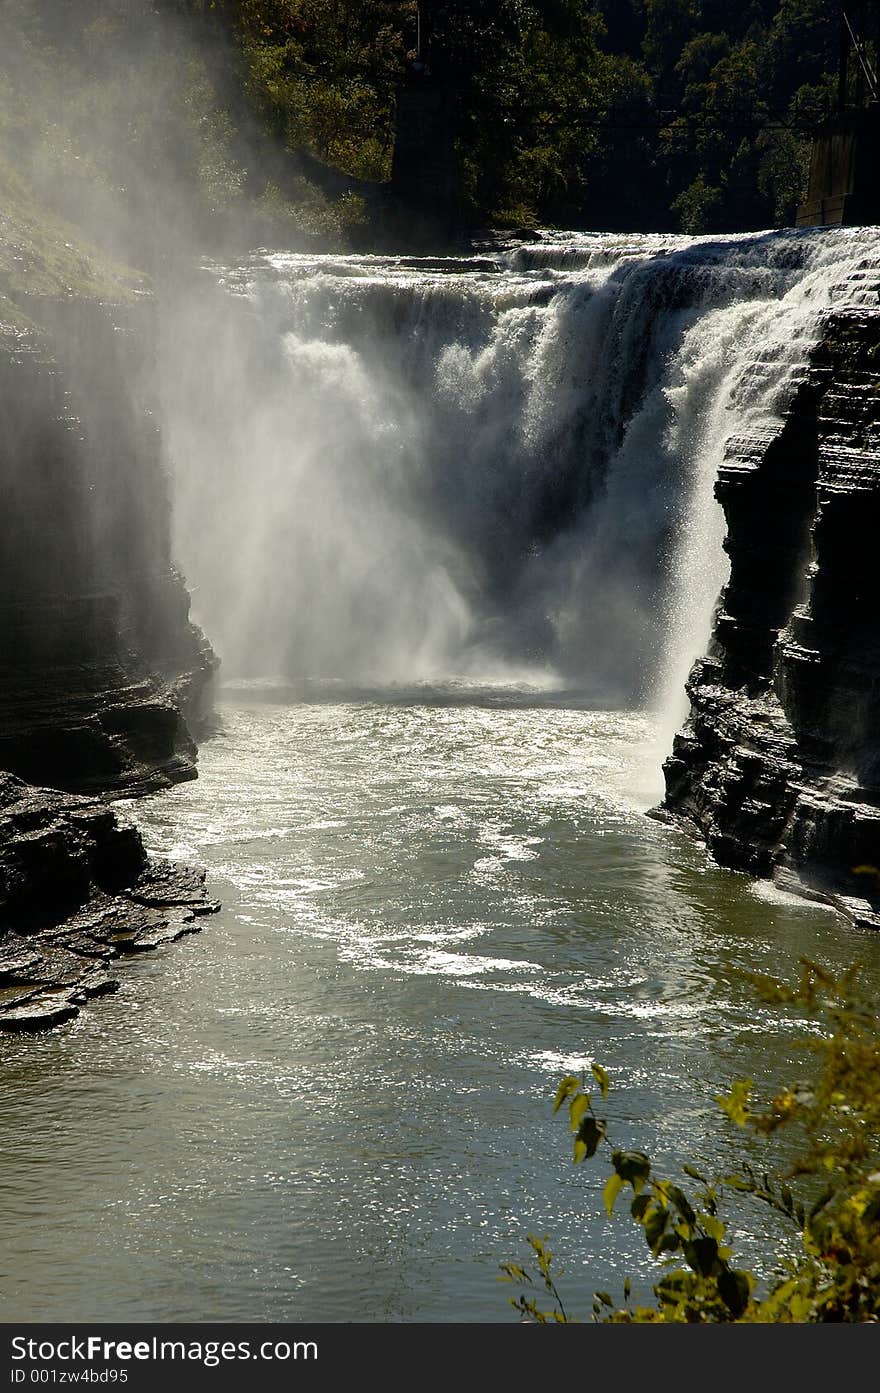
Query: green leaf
[(627, 1288), (713, 1226), (655, 1225), (634, 1167), (735, 1289), (745, 1184), (821, 1201), (601, 1077), (871, 1214), (682, 1203), (591, 1133), (570, 1084), (613, 1187), (670, 1243), (695, 1175), (580, 1151), (604, 1297), (702, 1255), (639, 1206)]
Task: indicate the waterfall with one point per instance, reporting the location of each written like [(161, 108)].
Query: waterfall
[(496, 468)]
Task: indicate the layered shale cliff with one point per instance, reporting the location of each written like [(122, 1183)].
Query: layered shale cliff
[(103, 679), (77, 891), (778, 766), (100, 664)]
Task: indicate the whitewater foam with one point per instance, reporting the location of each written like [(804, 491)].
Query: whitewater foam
[(492, 469)]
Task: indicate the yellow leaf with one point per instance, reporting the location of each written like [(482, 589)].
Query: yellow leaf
[(799, 1308), (576, 1109), (570, 1084), (736, 1103), (601, 1077), (713, 1226), (872, 871), (613, 1187)]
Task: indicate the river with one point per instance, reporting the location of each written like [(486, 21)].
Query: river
[(335, 1103)]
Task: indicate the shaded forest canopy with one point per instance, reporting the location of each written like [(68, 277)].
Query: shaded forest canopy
[(628, 114)]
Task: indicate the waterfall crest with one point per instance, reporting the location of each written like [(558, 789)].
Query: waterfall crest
[(498, 468)]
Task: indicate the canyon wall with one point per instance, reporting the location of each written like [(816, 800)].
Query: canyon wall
[(778, 766), (103, 679), (102, 675)]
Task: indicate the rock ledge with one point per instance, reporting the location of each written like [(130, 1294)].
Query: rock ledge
[(778, 766), (77, 892)]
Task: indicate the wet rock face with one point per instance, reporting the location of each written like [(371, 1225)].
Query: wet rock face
[(778, 766), (103, 678), (102, 675), (77, 892)]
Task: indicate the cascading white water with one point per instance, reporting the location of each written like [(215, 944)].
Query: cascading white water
[(390, 470)]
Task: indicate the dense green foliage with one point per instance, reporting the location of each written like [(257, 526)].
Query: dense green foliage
[(599, 113), (327, 74), (835, 1275), (603, 113), (640, 113), (163, 123)]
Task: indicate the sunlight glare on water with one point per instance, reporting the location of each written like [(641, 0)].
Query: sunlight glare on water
[(334, 1103)]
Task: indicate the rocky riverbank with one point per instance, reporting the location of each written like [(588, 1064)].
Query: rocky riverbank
[(104, 680), (77, 893), (778, 766)]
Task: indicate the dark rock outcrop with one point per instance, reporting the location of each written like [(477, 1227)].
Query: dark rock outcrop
[(77, 892), (103, 679), (778, 766), (102, 676)]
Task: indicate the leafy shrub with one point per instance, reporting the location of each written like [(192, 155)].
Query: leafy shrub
[(836, 1273)]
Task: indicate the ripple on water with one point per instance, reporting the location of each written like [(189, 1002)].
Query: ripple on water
[(335, 1102)]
